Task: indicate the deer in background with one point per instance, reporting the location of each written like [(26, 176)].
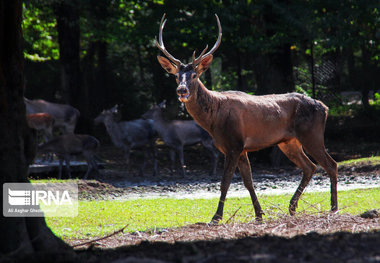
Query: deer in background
[(177, 133), (42, 122), (68, 145), (127, 135), (65, 116), (240, 123)]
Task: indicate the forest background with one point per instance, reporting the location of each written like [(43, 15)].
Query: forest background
[(95, 54)]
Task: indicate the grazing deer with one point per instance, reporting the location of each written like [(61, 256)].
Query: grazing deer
[(67, 145), (176, 134), (42, 122), (65, 116), (240, 123), (127, 135)]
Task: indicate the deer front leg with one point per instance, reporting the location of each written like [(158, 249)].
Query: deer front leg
[(142, 168), (230, 164), (127, 152), (181, 160), (67, 161), (60, 160), (246, 174)]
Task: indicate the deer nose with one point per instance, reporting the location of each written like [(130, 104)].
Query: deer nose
[(182, 90)]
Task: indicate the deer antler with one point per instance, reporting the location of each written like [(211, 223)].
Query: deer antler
[(197, 60), (161, 45)]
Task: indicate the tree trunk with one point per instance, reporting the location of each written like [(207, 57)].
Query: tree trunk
[(102, 72), (274, 69), (366, 60), (274, 72), (67, 16), (19, 235), (241, 82)]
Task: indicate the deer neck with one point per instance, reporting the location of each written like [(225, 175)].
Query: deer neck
[(159, 123), (202, 105), (114, 130)]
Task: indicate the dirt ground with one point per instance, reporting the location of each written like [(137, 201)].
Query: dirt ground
[(318, 238), (322, 237)]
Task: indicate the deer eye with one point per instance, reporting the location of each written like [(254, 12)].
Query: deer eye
[(194, 75), (176, 76)]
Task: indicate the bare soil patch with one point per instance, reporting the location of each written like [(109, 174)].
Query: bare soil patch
[(307, 238)]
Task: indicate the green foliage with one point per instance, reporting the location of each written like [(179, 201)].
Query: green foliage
[(39, 30), (376, 100), (118, 54)]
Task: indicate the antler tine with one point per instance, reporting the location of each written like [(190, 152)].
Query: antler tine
[(161, 45), (197, 60), (217, 43)]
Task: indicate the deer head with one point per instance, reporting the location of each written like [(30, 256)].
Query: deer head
[(186, 74), (107, 115)]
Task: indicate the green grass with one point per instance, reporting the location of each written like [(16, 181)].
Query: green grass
[(99, 218), (373, 160)]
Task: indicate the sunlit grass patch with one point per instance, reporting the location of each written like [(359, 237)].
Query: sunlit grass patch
[(373, 160), (99, 218)]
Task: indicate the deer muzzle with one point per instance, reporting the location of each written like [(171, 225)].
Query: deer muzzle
[(183, 93)]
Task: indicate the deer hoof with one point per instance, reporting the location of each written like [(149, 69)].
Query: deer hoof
[(216, 219), (292, 210), (334, 209)]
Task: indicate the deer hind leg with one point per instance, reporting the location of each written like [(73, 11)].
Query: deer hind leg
[(155, 161), (246, 174), (293, 150), (91, 163), (208, 144), (314, 145), (172, 160), (230, 165)]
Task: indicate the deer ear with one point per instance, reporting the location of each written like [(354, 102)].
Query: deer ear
[(204, 65), (162, 105), (167, 65)]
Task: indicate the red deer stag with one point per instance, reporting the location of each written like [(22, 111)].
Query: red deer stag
[(240, 123)]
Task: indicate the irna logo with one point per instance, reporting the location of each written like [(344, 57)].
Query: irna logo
[(40, 199), (36, 197)]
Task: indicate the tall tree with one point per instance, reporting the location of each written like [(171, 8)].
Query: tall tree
[(67, 16), (273, 67), (20, 235)]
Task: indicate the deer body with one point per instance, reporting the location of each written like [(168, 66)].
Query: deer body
[(68, 145), (179, 133), (127, 135), (42, 122), (65, 116), (239, 123)]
